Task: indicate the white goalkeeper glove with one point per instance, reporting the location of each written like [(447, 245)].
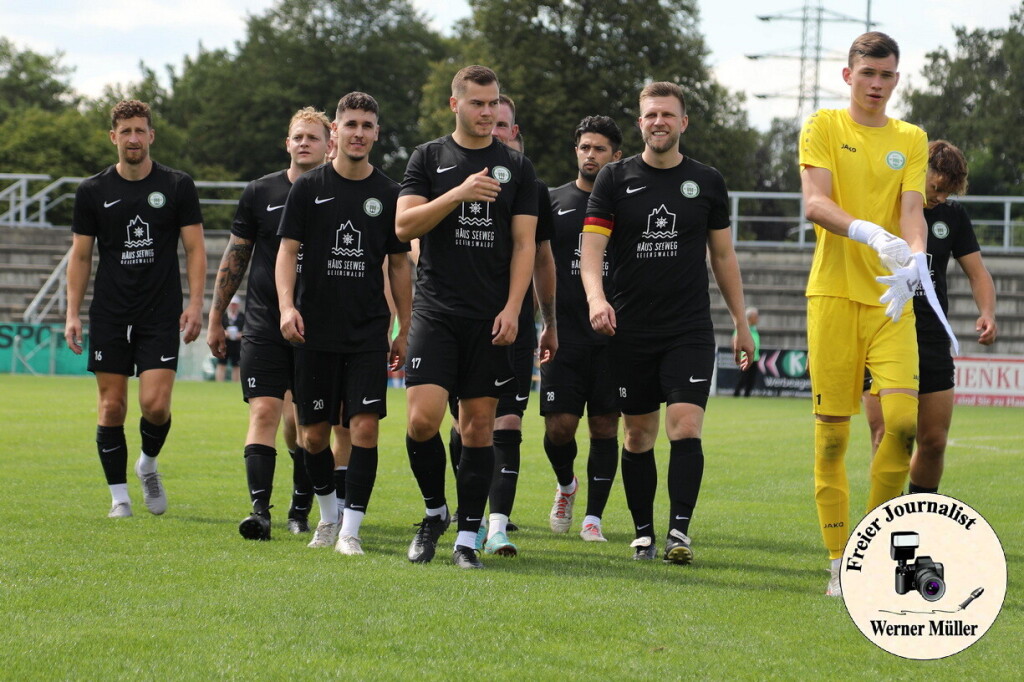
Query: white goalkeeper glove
[(902, 283), (893, 251)]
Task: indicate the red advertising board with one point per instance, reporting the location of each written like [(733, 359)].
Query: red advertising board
[(991, 380)]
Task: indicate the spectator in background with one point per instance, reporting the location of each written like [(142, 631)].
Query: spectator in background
[(748, 376), (233, 320)]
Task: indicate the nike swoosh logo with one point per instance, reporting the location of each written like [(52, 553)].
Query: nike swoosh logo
[(111, 449), (318, 200), (371, 402), (257, 492), (469, 519), (522, 398), (502, 383), (506, 471), (682, 518), (568, 210), (108, 204), (643, 526), (444, 170), (634, 190), (274, 208), (601, 479), (357, 507), (696, 381), (163, 359)]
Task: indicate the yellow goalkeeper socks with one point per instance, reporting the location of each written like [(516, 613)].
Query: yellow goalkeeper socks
[(831, 486), (892, 461)]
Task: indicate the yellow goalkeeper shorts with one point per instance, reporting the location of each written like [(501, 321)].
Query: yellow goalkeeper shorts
[(844, 337)]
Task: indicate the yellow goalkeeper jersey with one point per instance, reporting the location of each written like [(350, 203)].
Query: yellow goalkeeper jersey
[(871, 169)]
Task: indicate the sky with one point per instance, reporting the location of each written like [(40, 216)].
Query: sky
[(105, 40)]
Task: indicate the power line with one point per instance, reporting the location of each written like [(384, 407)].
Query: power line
[(811, 16)]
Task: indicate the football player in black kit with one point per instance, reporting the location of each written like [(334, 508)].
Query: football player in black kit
[(335, 312), (472, 202), (508, 422), (266, 356), (136, 210), (950, 233), (659, 213), (580, 374)]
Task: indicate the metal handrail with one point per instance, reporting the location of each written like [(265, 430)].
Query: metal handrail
[(58, 279), (31, 211)]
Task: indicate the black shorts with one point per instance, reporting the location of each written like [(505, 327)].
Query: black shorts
[(654, 369), (267, 368), (232, 353), (133, 348), (456, 354), (332, 387), (578, 376), (936, 368), (523, 358)]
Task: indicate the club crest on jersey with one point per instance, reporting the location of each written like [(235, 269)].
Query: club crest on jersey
[(895, 160), (940, 230), (138, 234), (501, 174), (347, 241), (690, 189), (156, 199), (372, 207)]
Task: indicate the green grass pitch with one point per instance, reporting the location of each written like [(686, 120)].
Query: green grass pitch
[(184, 597)]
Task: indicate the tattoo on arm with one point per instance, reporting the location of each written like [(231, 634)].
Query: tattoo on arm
[(547, 312), (232, 270)]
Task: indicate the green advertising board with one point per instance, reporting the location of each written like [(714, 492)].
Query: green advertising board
[(38, 349)]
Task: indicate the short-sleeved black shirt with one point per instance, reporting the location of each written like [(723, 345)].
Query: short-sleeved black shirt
[(545, 231), (568, 209), (137, 225), (464, 261), (950, 233), (658, 221), (347, 228), (256, 219)]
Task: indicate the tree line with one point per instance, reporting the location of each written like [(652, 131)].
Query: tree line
[(222, 114)]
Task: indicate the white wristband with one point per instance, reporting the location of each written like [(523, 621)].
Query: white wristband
[(862, 230)]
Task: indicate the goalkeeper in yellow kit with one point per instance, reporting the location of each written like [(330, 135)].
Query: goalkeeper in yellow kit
[(863, 179)]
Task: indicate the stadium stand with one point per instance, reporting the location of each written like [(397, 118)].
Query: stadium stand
[(774, 280)]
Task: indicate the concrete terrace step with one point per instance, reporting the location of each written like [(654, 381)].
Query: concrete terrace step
[(32, 254), (25, 273)]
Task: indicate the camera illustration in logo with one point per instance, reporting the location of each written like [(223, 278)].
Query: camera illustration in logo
[(924, 575)]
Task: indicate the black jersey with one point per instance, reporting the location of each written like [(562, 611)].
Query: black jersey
[(346, 228), (950, 233), (657, 220), (137, 225), (568, 209), (545, 232), (256, 219), (465, 260)]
